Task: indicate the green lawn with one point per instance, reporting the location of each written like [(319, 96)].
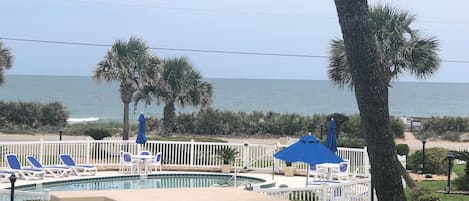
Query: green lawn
[(438, 186)]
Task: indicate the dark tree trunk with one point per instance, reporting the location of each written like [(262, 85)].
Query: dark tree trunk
[(371, 92), (169, 116), (127, 91), (125, 131)]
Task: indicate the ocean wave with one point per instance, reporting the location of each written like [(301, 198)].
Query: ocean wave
[(80, 120)]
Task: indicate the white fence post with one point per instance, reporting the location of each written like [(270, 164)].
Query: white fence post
[(245, 155), (88, 151), (366, 161), (41, 150), (192, 153)]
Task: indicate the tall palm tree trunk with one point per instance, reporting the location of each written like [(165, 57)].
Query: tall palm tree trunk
[(371, 92), (168, 117), (127, 90), (125, 132)]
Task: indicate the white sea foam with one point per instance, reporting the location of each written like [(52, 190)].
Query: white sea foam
[(81, 120)]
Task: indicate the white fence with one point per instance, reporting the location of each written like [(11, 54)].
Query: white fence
[(105, 153), (350, 191)]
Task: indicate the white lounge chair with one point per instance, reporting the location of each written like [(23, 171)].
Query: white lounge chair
[(52, 170), (25, 173), (5, 175), (79, 170)]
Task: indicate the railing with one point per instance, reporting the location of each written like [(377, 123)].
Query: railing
[(350, 191), (105, 153)]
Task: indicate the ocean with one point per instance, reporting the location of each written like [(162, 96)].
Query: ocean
[(87, 99)]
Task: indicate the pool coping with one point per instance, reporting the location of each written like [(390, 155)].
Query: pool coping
[(113, 174)]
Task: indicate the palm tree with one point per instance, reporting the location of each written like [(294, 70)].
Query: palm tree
[(464, 156), (179, 83), (129, 63), (402, 48), (6, 60), (364, 63)]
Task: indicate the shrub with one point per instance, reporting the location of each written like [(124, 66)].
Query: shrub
[(461, 184), (451, 136), (419, 192), (397, 127), (351, 128), (402, 149), (351, 142), (98, 134), (434, 163), (32, 115), (444, 125)]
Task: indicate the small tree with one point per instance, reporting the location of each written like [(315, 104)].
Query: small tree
[(227, 154)]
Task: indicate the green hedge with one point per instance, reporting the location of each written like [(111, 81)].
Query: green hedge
[(26, 115), (434, 160), (402, 149), (351, 128), (216, 122)]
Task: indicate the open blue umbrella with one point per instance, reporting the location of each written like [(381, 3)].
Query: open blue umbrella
[(331, 141), (308, 150), (141, 137)]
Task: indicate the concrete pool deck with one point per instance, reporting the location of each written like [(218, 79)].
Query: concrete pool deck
[(192, 194)]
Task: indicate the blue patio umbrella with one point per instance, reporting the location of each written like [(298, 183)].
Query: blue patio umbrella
[(308, 150), (141, 137), (331, 139)]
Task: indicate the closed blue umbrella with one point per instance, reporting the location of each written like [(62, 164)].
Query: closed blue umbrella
[(308, 150), (331, 139), (141, 137)]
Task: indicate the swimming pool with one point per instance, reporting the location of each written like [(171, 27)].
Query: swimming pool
[(145, 182)]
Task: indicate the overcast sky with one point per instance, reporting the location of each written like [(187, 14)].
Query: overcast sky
[(300, 27)]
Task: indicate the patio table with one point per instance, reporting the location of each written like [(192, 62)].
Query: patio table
[(330, 168), (145, 159)]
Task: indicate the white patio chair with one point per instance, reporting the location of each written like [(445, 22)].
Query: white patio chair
[(156, 162), (316, 172), (344, 170), (127, 163)]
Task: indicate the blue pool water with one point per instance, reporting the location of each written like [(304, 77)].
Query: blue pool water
[(137, 182)]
